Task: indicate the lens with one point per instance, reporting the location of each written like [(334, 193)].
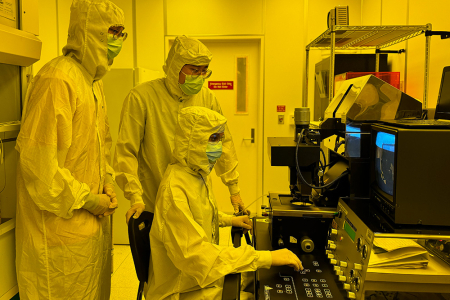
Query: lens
[(207, 74)]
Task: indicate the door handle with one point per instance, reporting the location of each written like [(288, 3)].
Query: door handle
[(252, 138)]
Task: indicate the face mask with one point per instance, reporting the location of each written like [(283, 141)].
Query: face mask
[(192, 86), (214, 151), (114, 46)]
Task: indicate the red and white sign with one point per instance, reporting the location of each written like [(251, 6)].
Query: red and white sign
[(281, 108), (220, 85)]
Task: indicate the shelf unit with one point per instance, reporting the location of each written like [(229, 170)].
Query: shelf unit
[(363, 38)]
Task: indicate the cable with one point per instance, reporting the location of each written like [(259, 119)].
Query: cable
[(324, 159), (300, 173)]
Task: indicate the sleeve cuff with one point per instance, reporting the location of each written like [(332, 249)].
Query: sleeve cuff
[(265, 259), (226, 220), (91, 201), (234, 189), (109, 179), (136, 199)]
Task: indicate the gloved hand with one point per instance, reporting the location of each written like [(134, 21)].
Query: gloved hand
[(242, 221), (238, 205), (285, 257), (97, 204), (136, 209), (108, 189)]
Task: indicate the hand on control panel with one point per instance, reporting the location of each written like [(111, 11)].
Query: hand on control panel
[(285, 257)]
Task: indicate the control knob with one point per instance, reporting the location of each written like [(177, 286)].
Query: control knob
[(358, 244), (445, 247), (356, 284), (352, 274), (365, 251)]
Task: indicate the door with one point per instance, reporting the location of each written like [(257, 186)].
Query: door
[(238, 60)]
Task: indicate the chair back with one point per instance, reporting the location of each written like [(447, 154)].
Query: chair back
[(139, 235)]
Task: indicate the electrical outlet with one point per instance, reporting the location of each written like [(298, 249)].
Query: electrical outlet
[(280, 119)]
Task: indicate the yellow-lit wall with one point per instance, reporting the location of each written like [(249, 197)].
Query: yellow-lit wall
[(414, 12)]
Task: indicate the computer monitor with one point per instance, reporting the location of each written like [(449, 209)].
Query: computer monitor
[(409, 174), (443, 102)]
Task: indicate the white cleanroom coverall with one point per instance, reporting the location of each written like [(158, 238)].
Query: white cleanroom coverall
[(147, 127), (63, 251), (186, 260)]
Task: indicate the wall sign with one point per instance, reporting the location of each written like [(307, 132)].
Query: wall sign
[(220, 85)]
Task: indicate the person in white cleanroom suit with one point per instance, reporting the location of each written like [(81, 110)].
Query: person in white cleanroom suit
[(187, 262), (64, 181), (148, 121)]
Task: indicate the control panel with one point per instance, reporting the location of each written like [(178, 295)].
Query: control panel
[(314, 282), (348, 251)]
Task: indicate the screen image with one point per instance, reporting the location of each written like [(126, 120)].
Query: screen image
[(352, 141), (384, 161)]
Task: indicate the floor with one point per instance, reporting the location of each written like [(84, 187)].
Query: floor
[(124, 282)]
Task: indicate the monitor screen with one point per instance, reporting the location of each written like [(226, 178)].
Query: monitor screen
[(384, 161), (443, 103), (352, 141)]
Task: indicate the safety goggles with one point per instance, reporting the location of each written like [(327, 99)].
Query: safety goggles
[(217, 137), (117, 34), (195, 73)]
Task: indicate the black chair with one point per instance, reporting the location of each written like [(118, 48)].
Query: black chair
[(139, 235)]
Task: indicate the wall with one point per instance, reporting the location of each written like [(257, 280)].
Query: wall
[(414, 12)]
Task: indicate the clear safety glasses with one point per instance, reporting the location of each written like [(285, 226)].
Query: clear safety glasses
[(117, 33), (217, 137), (122, 35), (195, 73)]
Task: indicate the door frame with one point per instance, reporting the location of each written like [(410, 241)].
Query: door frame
[(260, 104)]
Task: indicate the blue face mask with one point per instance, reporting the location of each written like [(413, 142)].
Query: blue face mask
[(114, 46), (192, 85), (214, 151)]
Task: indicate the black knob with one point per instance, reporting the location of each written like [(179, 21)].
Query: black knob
[(445, 247)]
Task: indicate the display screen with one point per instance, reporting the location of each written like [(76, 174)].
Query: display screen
[(348, 228), (352, 141), (384, 161)]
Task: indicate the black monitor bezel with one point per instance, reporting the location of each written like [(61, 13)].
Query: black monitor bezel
[(389, 198), (439, 114)]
